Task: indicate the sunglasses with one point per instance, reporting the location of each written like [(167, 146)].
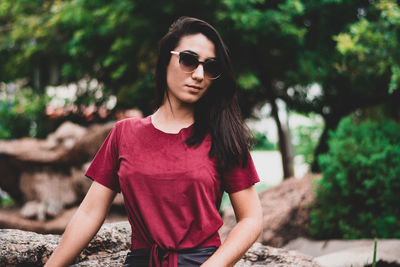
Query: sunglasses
[(189, 63)]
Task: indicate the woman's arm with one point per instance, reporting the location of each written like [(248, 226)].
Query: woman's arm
[(247, 207), (83, 226)]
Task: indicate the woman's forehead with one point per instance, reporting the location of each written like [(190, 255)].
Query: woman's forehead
[(197, 43)]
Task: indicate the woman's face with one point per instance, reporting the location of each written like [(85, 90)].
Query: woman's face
[(188, 88)]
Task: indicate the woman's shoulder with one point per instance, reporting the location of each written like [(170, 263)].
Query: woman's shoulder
[(132, 124)]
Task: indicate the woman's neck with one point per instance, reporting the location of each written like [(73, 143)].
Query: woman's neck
[(172, 118)]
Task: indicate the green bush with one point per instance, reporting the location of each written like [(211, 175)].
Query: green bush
[(23, 114), (305, 139), (358, 195), (261, 142)]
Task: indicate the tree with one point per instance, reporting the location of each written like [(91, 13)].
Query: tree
[(114, 42), (265, 38), (363, 71), (280, 48), (284, 47)]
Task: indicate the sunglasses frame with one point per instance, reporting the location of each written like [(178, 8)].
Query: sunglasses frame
[(199, 62)]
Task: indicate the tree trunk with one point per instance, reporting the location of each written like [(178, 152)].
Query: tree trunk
[(331, 122), (284, 142)]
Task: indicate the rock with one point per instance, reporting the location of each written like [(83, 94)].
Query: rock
[(9, 176), (30, 150), (20, 247), (260, 255), (47, 176), (78, 181), (27, 165), (112, 238), (49, 187), (53, 209), (41, 210), (356, 253), (285, 212), (11, 218), (110, 246), (86, 147), (30, 209), (356, 257), (66, 135), (69, 131)]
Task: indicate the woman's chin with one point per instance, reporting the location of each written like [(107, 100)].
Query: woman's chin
[(189, 100)]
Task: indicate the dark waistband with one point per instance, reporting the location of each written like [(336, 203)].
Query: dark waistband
[(147, 251)]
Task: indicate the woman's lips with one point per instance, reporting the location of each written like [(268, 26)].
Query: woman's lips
[(194, 86)]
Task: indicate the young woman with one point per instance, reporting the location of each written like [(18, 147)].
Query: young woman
[(173, 166)]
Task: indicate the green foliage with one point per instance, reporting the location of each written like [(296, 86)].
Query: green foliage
[(6, 202), (279, 49), (371, 46), (305, 139), (113, 42), (260, 142), (248, 81), (23, 114), (358, 194), (140, 92), (374, 257)]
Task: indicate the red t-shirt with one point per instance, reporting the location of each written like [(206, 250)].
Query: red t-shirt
[(172, 192)]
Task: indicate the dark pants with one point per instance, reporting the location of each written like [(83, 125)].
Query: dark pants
[(186, 258)]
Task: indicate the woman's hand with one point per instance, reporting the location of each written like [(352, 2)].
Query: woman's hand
[(248, 213)]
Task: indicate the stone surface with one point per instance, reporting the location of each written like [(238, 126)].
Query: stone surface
[(20, 247), (260, 255), (10, 218), (30, 150), (285, 212), (110, 246), (50, 189), (45, 176), (356, 257), (337, 253), (66, 135)]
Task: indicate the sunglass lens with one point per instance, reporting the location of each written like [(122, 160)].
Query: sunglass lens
[(188, 62), (212, 69)]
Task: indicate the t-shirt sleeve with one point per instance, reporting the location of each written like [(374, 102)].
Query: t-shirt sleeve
[(239, 177), (105, 165)]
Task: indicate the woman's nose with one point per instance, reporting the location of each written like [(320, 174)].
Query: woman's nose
[(198, 73)]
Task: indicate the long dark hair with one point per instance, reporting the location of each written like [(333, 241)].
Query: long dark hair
[(217, 112)]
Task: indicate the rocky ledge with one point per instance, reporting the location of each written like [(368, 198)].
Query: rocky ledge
[(110, 246)]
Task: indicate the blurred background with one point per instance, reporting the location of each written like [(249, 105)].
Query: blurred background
[(318, 86)]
